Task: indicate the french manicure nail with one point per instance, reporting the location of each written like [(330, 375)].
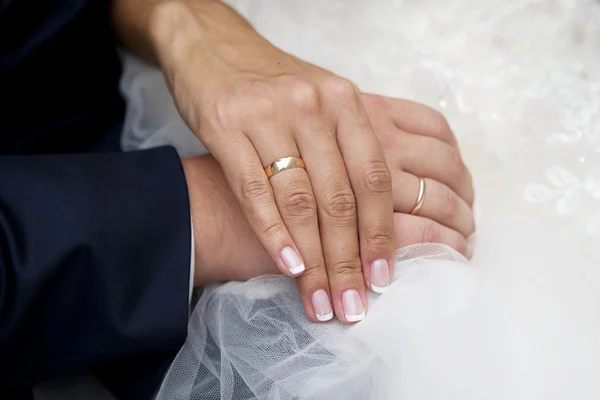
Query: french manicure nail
[(353, 306), (322, 305), (292, 260), (380, 276)]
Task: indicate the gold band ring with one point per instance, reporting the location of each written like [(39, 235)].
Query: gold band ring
[(420, 197), (283, 164)]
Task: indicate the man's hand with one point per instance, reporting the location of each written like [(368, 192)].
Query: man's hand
[(418, 142)]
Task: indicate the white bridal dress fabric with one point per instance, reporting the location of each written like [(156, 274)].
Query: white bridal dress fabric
[(519, 81)]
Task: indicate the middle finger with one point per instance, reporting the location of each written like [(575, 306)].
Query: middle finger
[(336, 205)]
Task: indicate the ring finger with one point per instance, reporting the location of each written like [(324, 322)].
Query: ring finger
[(295, 200), (440, 203), (444, 163)]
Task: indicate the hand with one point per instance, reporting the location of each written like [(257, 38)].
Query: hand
[(418, 142), (225, 246), (331, 225)]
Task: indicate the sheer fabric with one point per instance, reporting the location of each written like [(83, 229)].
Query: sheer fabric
[(253, 340)]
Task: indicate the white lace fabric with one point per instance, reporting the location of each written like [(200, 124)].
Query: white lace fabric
[(519, 81)]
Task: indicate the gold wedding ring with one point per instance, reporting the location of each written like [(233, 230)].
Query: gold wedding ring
[(283, 164), (420, 197)]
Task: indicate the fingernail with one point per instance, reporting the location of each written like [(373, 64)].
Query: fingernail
[(469, 251), (322, 305), (353, 306), (292, 260), (380, 276)]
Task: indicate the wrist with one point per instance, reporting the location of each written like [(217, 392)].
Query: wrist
[(208, 37), (206, 213), (202, 271), (172, 31)]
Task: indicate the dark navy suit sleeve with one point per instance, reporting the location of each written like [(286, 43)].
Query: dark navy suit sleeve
[(94, 261)]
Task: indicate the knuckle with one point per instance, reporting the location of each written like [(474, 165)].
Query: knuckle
[(460, 244), (430, 233), (454, 157), (471, 228), (379, 238), (377, 177), (344, 268), (340, 204), (456, 241), (272, 230), (343, 88), (440, 126), (470, 196), (305, 95), (223, 111), (300, 204), (455, 162), (226, 111), (344, 94), (471, 223), (313, 277), (254, 189), (448, 203), (315, 270)]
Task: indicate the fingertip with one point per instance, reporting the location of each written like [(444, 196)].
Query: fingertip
[(379, 289), (321, 305), (292, 261), (324, 317), (355, 318), (380, 275), (353, 306), (296, 271)]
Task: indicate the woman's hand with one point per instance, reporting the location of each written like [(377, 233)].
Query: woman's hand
[(418, 142), (329, 225), (226, 247)]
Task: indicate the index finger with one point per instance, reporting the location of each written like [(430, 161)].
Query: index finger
[(420, 119)]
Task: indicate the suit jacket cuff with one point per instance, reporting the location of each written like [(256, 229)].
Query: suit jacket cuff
[(96, 256)]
